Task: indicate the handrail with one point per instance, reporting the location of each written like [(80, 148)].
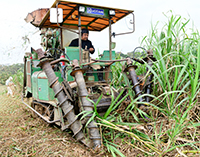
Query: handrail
[(113, 34), (59, 60), (120, 60)]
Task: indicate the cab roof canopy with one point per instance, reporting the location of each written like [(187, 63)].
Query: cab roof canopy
[(94, 18)]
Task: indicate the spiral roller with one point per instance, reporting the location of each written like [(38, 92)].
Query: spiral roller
[(69, 116), (87, 105)]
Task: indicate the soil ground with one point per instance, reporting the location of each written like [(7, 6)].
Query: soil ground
[(23, 135)]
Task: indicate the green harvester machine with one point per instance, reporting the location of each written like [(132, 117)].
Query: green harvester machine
[(60, 80)]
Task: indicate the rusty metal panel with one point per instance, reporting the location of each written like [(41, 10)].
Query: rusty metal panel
[(29, 81), (28, 66), (36, 16), (28, 74)]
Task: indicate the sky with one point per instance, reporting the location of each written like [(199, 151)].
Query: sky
[(17, 36)]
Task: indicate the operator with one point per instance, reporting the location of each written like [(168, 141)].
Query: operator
[(86, 44)]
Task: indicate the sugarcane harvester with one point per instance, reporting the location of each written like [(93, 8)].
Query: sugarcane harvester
[(61, 79)]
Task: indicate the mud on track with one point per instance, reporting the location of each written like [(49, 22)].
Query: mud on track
[(23, 135)]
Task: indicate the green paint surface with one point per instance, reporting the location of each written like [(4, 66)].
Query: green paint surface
[(40, 86)]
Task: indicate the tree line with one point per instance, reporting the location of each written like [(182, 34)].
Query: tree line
[(9, 70)]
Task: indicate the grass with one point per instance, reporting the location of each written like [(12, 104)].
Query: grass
[(173, 125)]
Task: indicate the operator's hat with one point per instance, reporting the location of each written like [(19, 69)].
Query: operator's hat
[(84, 30)]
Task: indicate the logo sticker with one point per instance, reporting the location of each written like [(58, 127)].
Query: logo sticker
[(95, 11)]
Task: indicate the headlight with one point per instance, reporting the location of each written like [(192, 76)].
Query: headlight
[(112, 12), (81, 9)]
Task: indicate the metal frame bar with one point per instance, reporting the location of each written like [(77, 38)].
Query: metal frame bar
[(110, 39), (80, 43), (132, 30)]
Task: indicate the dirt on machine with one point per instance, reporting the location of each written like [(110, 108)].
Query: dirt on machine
[(64, 81)]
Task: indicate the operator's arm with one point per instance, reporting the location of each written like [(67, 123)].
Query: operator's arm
[(91, 47)]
